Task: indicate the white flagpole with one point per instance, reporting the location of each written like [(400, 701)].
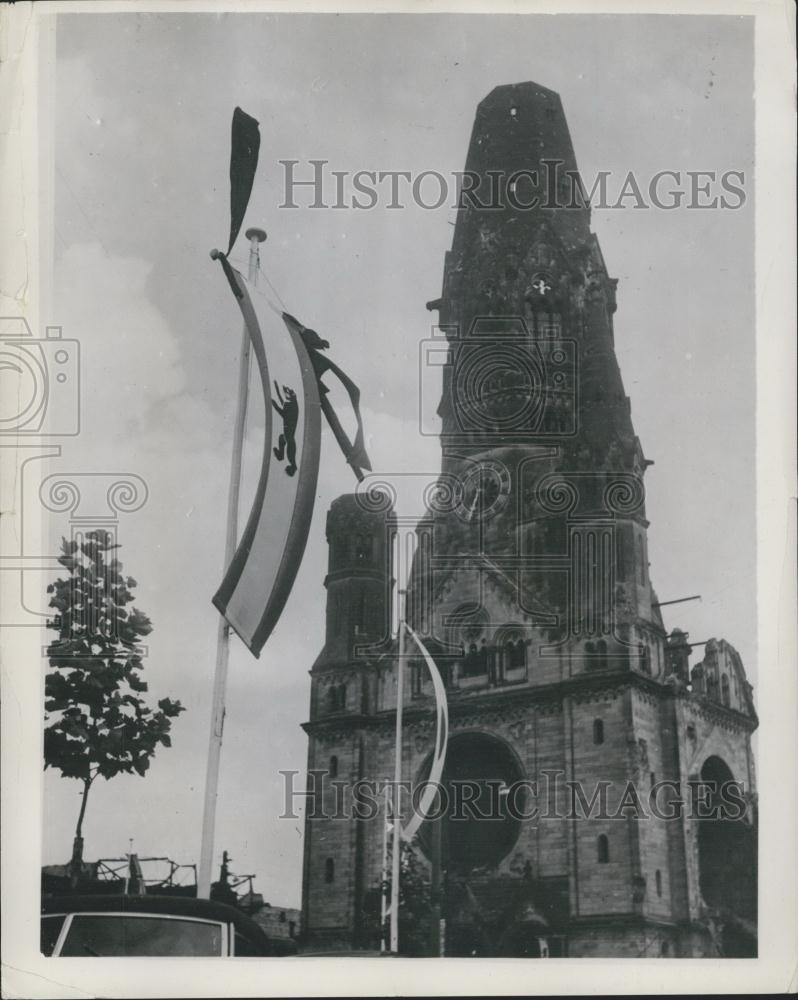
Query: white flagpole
[(384, 899), (255, 237), (397, 777)]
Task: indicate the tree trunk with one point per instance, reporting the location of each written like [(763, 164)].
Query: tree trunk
[(76, 864)]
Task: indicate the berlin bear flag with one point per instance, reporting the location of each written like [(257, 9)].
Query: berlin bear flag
[(259, 578), (262, 571)]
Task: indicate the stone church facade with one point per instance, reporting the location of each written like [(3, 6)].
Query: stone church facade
[(530, 586)]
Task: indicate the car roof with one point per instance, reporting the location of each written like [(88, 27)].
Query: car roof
[(177, 906)]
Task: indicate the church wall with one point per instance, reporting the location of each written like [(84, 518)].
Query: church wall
[(331, 903), (647, 760), (623, 941), (550, 838), (600, 886)]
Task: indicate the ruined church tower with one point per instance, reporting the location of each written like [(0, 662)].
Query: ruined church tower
[(531, 588)]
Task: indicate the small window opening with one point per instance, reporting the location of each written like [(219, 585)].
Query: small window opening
[(603, 849), (598, 731), (329, 870)]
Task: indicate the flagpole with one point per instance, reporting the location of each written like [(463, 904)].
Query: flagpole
[(384, 881), (397, 778), (255, 237)]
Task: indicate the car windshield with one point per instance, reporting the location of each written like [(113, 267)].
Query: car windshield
[(139, 934)]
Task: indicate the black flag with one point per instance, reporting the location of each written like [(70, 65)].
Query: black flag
[(243, 163), (354, 451)]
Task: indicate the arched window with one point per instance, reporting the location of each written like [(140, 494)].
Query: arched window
[(471, 661), (333, 766), (362, 548), (641, 561), (342, 697), (598, 731), (360, 616), (516, 653), (329, 870), (601, 649), (724, 690), (332, 699), (658, 880), (603, 849), (336, 615), (665, 949)]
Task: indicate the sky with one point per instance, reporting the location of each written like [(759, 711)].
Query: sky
[(141, 153)]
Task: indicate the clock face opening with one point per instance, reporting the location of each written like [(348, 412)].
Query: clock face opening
[(485, 491), (478, 830)]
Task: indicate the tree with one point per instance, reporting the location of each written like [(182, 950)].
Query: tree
[(415, 907), (98, 724)]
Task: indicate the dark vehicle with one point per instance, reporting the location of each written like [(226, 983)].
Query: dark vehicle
[(152, 926)]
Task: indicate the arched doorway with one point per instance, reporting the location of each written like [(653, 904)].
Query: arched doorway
[(727, 860), (477, 831)]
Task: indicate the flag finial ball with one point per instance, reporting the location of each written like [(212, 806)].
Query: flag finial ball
[(256, 234), (215, 254)]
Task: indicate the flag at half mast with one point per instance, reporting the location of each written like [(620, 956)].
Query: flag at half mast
[(261, 573)]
